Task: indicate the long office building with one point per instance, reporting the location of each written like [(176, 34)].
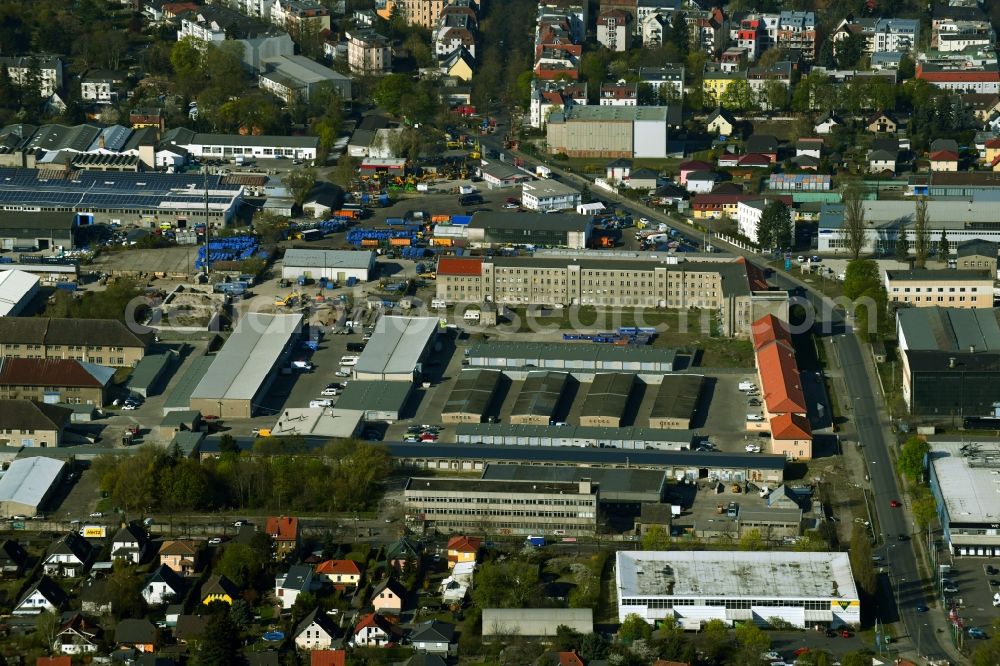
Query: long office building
[(545, 435), (735, 292), (579, 358)]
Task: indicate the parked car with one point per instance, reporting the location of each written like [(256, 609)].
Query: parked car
[(97, 514), (342, 373), (215, 541), (976, 632), (327, 392)]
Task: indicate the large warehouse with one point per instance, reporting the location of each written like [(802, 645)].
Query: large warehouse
[(494, 229), (612, 131), (581, 359), (17, 289), (30, 230), (332, 264), (396, 348), (502, 434), (963, 478), (676, 401), (607, 399), (244, 368), (27, 483), (798, 589), (472, 396), (539, 398), (379, 401)]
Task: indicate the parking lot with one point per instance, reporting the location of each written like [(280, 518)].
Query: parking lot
[(975, 589)]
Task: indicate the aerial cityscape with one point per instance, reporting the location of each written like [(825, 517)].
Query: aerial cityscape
[(475, 333)]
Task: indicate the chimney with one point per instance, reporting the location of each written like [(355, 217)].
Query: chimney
[(951, 361), (100, 141), (972, 349), (585, 486)]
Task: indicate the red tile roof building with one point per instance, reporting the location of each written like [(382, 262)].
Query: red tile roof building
[(785, 409), (472, 266), (328, 658), (284, 530)]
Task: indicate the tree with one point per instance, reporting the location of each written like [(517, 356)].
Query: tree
[(902, 245), (739, 96), (714, 640), (634, 628), (774, 96), (345, 173), (775, 227), (854, 230), (752, 540), (220, 643), (241, 613), (944, 246), (593, 646), (849, 51), (509, 584), (861, 559), (566, 639), (924, 507), (124, 591), (911, 458), (240, 564), (656, 538), (680, 36), (300, 183), (921, 239), (751, 642), (186, 58), (391, 90), (46, 626)]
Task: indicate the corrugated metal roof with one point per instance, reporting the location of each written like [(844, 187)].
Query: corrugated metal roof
[(564, 351), (396, 345), (631, 433), (473, 391), (677, 397), (608, 394), (374, 396), (329, 258), (540, 394), (950, 329), (14, 286), (248, 356), (27, 480)]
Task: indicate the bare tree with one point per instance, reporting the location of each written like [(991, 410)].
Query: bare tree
[(854, 230), (921, 241)]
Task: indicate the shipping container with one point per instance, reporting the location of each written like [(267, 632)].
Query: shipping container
[(400, 242), (370, 242)]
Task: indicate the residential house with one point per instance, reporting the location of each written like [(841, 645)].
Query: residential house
[(714, 206), (316, 631), (46, 70), (13, 559), (368, 52), (181, 556), (643, 179), (68, 557), (716, 81), (294, 15), (77, 635), (463, 549), (701, 181), (403, 554), (652, 28), (425, 659), (434, 637), (882, 161), (983, 107), (190, 628), (95, 599), (619, 94), (140, 635), (667, 82), (809, 147), (689, 167), (763, 144), (760, 77), (944, 160), (614, 29), (991, 150), (880, 123), (571, 658), (101, 86), (328, 658), (734, 59), (284, 531), (618, 170), (456, 27), (826, 123), (290, 584), (374, 630), (342, 574), (389, 596), (721, 122), (791, 436), (45, 595), (459, 64), (219, 588), (130, 543), (163, 586)]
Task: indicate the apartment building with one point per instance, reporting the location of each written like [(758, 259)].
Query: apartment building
[(732, 289), (503, 506), (368, 52), (24, 69), (961, 78), (945, 288), (614, 29), (293, 15), (456, 29), (100, 341), (422, 12), (45, 380), (797, 30), (667, 82), (619, 94), (545, 195)]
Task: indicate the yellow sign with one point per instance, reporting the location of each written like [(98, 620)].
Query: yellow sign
[(94, 532)]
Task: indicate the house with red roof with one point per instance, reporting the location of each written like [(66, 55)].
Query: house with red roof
[(284, 531), (374, 630), (983, 80), (791, 436), (944, 160), (690, 167), (342, 574), (463, 549), (328, 658)]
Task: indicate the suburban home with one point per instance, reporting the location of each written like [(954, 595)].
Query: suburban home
[(791, 436), (881, 161), (809, 147), (643, 179), (374, 630), (328, 658), (138, 634), (13, 558), (77, 635), (289, 585), (763, 144), (342, 574), (219, 588), (689, 167), (130, 544), (402, 554), (618, 170), (95, 598), (101, 86), (44, 595), (881, 123), (316, 631), (435, 637), (425, 659), (388, 597), (181, 556), (826, 123), (284, 531), (163, 586), (68, 557), (701, 182), (721, 122), (462, 549)]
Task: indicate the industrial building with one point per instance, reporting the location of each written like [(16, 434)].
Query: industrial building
[(495, 229), (55, 380), (27, 483), (29, 423), (963, 480), (319, 422), (99, 341), (378, 401), (612, 131), (539, 398), (335, 265), (507, 622), (607, 399), (801, 589), (505, 507), (33, 230), (472, 395), (17, 290), (397, 348), (760, 469), (950, 360), (242, 372), (545, 435), (546, 194), (614, 486), (676, 402), (581, 359), (731, 292), (922, 288), (249, 146)]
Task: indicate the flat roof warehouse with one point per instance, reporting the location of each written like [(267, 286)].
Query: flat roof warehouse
[(396, 346)]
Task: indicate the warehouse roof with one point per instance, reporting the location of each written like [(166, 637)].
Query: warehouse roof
[(667, 114), (950, 214), (540, 393), (612, 483), (967, 478), (180, 396), (677, 397), (55, 221), (950, 329), (27, 480), (729, 574), (568, 352), (88, 332), (507, 486), (608, 394), (473, 391), (491, 220), (549, 188), (570, 432), (329, 258), (14, 286), (248, 356), (396, 345), (977, 246), (950, 362), (374, 396)]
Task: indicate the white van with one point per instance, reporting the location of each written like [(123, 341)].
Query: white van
[(755, 417), (438, 303), (348, 361), (471, 315), (747, 386), (315, 404)]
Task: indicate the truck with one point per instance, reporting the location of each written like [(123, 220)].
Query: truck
[(542, 171), (536, 541)]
